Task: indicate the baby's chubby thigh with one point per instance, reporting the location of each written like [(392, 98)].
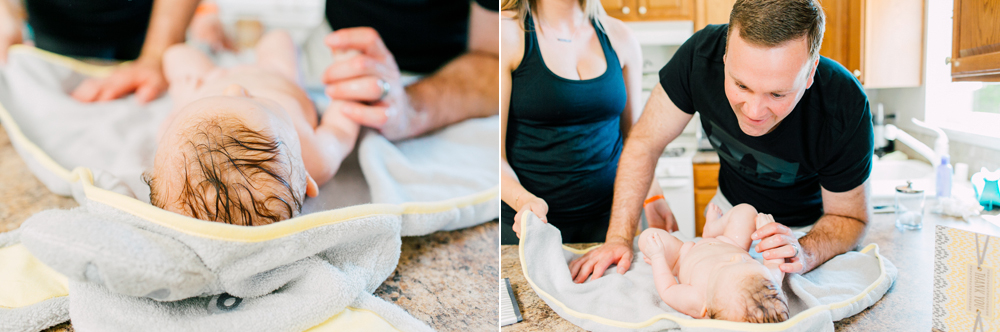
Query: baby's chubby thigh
[(742, 222)]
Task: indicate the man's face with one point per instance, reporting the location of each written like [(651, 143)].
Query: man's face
[(763, 84)]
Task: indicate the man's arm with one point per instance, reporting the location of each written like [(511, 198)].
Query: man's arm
[(144, 76), (839, 230), (659, 124), (467, 87)]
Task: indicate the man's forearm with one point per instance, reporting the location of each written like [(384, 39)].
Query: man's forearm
[(832, 235), (167, 26), (467, 87), (632, 181)]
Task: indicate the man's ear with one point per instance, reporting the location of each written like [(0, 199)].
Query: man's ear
[(312, 189), (812, 73)]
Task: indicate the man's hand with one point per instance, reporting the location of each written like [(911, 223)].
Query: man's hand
[(535, 205), (144, 77), (368, 85), (659, 215), (779, 243), (598, 260)]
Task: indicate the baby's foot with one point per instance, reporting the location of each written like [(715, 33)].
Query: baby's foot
[(654, 247), (712, 213), (764, 219)]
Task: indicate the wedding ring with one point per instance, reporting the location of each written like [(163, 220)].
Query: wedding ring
[(385, 88), (796, 250)]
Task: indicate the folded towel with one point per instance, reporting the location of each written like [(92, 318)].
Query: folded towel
[(131, 266), (840, 288)]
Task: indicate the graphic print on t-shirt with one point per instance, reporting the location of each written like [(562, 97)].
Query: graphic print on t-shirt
[(756, 166)]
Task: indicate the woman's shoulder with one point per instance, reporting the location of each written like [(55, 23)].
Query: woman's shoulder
[(511, 38), (621, 36), (616, 30)]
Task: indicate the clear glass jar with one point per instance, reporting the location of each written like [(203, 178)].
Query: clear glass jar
[(909, 207)]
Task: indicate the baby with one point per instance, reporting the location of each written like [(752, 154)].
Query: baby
[(243, 145), (717, 277)]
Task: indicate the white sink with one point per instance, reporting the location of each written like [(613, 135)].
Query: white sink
[(887, 174)]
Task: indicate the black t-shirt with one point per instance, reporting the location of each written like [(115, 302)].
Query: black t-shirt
[(825, 141), (110, 29), (422, 35)]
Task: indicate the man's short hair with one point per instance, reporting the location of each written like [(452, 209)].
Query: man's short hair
[(770, 23)]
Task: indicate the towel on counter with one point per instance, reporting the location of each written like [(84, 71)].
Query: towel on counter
[(117, 263), (841, 287)]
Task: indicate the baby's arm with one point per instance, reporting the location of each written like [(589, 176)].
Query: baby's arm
[(681, 297), (771, 264), (328, 145), (687, 299)]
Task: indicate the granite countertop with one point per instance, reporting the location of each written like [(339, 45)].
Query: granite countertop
[(905, 307), (446, 279)]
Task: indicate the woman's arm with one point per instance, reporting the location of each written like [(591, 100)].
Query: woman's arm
[(512, 192)]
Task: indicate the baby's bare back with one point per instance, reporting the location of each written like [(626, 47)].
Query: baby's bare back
[(261, 83)]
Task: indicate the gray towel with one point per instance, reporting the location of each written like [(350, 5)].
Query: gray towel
[(842, 287), (132, 266)]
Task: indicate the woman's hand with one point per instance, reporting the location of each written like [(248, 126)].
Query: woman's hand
[(659, 215), (535, 205), (10, 34)]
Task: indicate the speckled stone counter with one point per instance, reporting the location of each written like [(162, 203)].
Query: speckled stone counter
[(905, 307), (446, 279)]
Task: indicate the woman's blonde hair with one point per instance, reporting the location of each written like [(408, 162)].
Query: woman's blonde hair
[(591, 8)]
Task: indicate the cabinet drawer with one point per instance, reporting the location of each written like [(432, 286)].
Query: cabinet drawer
[(701, 199), (706, 176)]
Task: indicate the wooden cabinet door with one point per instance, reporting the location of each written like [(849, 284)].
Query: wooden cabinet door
[(663, 10), (621, 9), (975, 51), (844, 35), (711, 12), (879, 41)]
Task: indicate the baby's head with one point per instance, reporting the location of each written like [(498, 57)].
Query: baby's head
[(232, 159), (747, 293)]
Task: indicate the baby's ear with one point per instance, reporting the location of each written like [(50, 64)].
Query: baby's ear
[(704, 311), (312, 189)]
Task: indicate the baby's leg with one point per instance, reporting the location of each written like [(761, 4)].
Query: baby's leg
[(183, 67), (742, 221), (276, 52), (715, 221), (655, 242)]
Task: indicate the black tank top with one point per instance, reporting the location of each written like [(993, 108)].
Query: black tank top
[(563, 137)]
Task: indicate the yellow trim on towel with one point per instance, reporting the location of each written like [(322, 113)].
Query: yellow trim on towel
[(65, 61), (354, 319), (214, 230), (25, 280), (691, 322)]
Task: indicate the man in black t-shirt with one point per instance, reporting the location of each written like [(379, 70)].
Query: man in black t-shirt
[(792, 129), (455, 42)]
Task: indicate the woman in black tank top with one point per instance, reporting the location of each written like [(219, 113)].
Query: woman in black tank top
[(563, 133)]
